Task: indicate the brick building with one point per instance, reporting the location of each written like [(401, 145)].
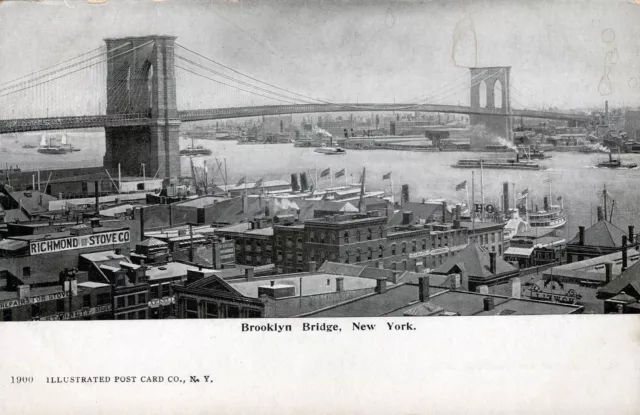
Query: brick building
[(253, 242)]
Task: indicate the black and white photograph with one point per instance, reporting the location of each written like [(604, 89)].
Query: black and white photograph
[(308, 161)]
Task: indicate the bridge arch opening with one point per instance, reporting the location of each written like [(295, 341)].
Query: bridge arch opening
[(497, 94), (482, 89)]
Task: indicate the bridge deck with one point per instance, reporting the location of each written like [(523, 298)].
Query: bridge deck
[(64, 123)]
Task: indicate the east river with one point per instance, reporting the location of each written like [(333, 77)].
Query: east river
[(429, 175)]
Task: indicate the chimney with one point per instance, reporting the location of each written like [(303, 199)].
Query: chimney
[(631, 238), (608, 273), (600, 214), (492, 262), (40, 199), (546, 203), (444, 212), (464, 279), (505, 196), (581, 235), (488, 303), (407, 218), (339, 284), (458, 213), (516, 288), (272, 283), (482, 289), (74, 286), (456, 282), (312, 266), (295, 187), (97, 197), (624, 252), (118, 251), (141, 223), (245, 204), (423, 289), (24, 291), (249, 274), (381, 286)]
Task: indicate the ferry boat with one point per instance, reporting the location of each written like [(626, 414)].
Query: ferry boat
[(194, 150), (331, 151), (551, 217), (616, 163), (507, 164)]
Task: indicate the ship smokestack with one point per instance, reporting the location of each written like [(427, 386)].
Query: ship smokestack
[(294, 182), (304, 185), (624, 252), (581, 235), (546, 203), (631, 237)]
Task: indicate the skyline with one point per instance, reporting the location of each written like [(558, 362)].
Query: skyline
[(381, 52)]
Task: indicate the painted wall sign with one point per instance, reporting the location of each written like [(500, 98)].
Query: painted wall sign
[(436, 251), (164, 301), (78, 313), (77, 242), (570, 297), (33, 300)]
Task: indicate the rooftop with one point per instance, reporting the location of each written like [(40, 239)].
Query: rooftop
[(170, 270), (601, 233), (476, 260)]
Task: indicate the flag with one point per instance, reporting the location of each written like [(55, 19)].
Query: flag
[(524, 194), (461, 186), (258, 183), (559, 199), (241, 181), (325, 172), (340, 173), (386, 176)]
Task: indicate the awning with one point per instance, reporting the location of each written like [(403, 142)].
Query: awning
[(519, 252)]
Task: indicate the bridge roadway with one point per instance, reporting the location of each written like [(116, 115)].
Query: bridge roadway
[(92, 121)]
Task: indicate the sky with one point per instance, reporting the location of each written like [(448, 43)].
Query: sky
[(567, 54)]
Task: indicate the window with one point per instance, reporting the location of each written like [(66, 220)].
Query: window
[(393, 249), (142, 314), (212, 310), (155, 291), (103, 299), (347, 254), (26, 271), (358, 255), (131, 300), (120, 302), (7, 315), (359, 235), (404, 247), (380, 251), (424, 244), (346, 237), (299, 256), (414, 246), (86, 301), (35, 310), (321, 237), (369, 234), (121, 282), (142, 298), (191, 308), (312, 236), (60, 305), (253, 313), (233, 311), (370, 255), (332, 256)]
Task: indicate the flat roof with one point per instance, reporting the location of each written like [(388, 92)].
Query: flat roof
[(170, 270)]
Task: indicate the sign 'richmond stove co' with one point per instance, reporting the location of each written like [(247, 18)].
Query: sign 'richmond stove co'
[(77, 242)]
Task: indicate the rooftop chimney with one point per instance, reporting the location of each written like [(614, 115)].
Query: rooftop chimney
[(581, 235), (312, 266), (381, 286), (249, 274), (407, 218), (516, 288), (600, 214), (97, 197), (423, 289), (245, 204), (624, 252), (444, 212), (488, 303), (505, 196), (458, 213), (339, 284), (492, 262), (608, 272), (631, 237), (24, 291)]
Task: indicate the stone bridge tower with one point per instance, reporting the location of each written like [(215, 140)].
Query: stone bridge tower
[(492, 79), (142, 82)]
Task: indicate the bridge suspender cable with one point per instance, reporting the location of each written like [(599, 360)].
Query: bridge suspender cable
[(78, 70), (232, 86), (252, 78)]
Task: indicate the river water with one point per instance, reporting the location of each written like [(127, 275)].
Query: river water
[(428, 175)]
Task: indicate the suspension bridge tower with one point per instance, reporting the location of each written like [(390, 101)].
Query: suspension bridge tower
[(493, 79), (142, 83)]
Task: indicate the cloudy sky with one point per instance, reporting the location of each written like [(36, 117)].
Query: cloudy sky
[(563, 54)]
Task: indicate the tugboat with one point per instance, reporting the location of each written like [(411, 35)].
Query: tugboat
[(331, 151), (616, 163), (532, 153)]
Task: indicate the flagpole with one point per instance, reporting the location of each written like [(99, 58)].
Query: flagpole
[(393, 196), (330, 177), (481, 190), (473, 207)]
